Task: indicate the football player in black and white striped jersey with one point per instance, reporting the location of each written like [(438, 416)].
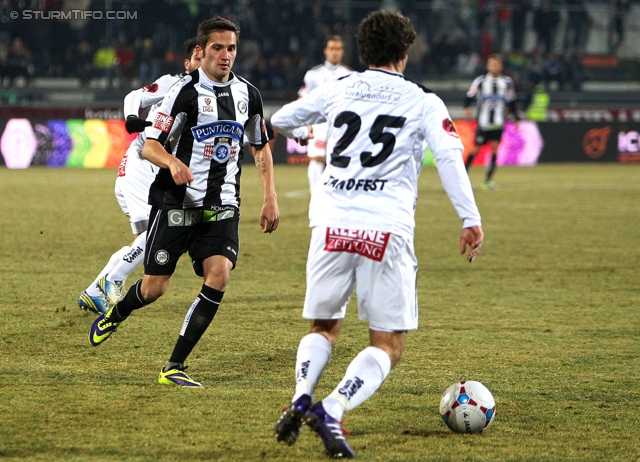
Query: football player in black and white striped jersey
[(362, 218), (197, 141), (495, 93)]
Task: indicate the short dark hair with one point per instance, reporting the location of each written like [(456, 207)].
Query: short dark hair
[(189, 46), (332, 38), (384, 37), (496, 56), (214, 25)]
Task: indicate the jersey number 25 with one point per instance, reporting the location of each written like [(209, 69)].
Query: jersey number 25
[(377, 135)]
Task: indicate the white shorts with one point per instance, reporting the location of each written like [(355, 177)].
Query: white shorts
[(119, 190), (317, 146), (382, 266), (132, 190)]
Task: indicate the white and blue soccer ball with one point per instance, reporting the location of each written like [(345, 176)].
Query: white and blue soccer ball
[(467, 407)]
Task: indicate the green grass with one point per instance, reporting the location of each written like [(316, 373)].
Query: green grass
[(546, 317)]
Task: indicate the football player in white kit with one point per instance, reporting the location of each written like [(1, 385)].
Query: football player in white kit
[(316, 136), (362, 219), (135, 175)]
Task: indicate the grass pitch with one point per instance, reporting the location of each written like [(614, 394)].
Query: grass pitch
[(546, 317)]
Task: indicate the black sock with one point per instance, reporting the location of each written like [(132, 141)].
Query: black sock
[(132, 301), (198, 318), (467, 164), (491, 167)]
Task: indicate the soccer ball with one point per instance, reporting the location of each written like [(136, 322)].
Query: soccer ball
[(467, 407)]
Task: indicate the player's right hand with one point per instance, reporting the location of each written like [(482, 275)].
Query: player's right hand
[(135, 124), (180, 173), (305, 141), (472, 237)]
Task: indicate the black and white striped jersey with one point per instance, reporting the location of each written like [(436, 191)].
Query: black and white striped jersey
[(494, 96), (203, 124)]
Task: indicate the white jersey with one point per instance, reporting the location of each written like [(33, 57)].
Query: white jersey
[(144, 103), (379, 127), (320, 75), (494, 94), (315, 77)]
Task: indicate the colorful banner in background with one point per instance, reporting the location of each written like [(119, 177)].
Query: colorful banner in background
[(520, 146), (98, 143), (91, 143)]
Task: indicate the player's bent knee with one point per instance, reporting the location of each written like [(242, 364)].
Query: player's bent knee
[(154, 287), (217, 272), (391, 343), (328, 328)]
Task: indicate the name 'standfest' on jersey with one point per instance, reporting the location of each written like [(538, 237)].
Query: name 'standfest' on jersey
[(379, 127), (204, 124)]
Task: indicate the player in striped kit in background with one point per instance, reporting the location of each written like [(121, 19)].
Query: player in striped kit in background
[(495, 94)]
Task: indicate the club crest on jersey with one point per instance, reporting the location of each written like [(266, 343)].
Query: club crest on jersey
[(221, 150), (448, 126), (242, 107)]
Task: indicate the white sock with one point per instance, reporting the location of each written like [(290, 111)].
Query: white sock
[(364, 376), (113, 261), (314, 353), (314, 172), (130, 260)]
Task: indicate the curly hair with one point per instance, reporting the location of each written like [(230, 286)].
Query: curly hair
[(384, 37), (216, 24)]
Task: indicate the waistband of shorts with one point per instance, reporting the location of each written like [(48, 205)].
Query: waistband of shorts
[(190, 217)]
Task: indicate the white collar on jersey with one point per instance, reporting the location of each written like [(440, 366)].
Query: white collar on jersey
[(207, 81), (331, 67), (386, 71)]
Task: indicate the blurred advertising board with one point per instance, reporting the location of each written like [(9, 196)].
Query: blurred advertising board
[(590, 142), (520, 146), (99, 143)]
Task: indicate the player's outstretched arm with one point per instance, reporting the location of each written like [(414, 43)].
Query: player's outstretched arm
[(270, 213), (472, 238), (155, 153)]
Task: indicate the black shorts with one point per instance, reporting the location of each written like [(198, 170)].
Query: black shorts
[(169, 238), (484, 136)]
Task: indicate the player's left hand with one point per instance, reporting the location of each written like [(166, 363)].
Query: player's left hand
[(471, 237), (269, 216)]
